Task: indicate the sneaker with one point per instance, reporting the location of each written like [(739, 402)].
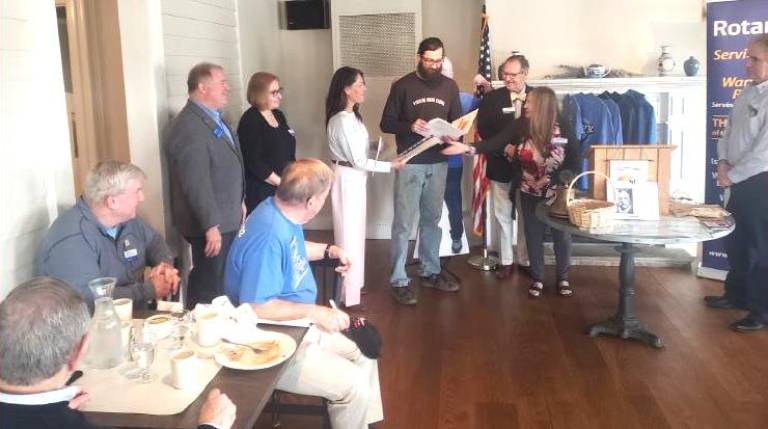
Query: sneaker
[(748, 324), (456, 246), (404, 295), (440, 282)]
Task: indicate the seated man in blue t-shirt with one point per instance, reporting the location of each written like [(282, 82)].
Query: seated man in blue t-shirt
[(268, 267)]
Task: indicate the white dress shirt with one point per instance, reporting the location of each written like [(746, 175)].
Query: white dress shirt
[(745, 141), (348, 141)]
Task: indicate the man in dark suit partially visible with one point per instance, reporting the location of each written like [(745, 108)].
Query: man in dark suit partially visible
[(497, 109), (207, 185)]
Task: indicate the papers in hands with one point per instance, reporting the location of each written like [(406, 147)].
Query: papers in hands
[(440, 128)]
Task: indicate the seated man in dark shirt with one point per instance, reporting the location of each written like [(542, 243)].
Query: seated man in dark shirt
[(43, 335)]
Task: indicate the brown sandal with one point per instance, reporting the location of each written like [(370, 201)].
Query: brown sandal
[(564, 288), (535, 290)]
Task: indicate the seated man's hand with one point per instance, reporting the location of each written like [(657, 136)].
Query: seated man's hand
[(337, 252), (171, 275), (329, 319), (218, 410), (156, 278)]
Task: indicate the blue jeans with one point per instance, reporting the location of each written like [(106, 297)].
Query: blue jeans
[(417, 187), (453, 201)]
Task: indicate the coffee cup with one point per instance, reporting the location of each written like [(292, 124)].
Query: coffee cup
[(160, 325), (208, 329), (183, 369), (123, 308)]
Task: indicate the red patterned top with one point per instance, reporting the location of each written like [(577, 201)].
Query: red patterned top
[(537, 168)]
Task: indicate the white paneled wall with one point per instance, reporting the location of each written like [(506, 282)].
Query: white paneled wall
[(36, 176), (201, 30)]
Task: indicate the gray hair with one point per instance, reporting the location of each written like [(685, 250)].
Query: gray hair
[(302, 180), (109, 178), (516, 57), (199, 73), (760, 40), (41, 323)]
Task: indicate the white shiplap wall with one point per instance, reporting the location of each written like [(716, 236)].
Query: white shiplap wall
[(36, 174), (195, 31)]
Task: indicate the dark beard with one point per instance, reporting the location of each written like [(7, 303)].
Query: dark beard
[(428, 74)]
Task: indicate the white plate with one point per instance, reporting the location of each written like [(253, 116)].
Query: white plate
[(287, 348)]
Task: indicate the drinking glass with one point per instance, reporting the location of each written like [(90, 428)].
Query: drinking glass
[(181, 329), (143, 346)]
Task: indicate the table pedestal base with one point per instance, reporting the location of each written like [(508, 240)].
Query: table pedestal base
[(625, 324), (626, 330)]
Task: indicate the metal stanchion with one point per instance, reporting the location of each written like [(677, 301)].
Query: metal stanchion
[(484, 261)]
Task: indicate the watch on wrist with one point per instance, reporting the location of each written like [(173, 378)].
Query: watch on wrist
[(327, 254)]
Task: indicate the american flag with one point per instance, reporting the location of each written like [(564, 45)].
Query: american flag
[(480, 182)]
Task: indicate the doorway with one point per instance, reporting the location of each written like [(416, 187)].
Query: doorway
[(89, 41)]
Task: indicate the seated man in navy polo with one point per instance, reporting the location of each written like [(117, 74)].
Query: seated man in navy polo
[(43, 336), (268, 267), (101, 236)]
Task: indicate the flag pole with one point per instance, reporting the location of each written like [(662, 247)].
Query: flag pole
[(484, 261)]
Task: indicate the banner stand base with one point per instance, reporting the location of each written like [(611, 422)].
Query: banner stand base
[(711, 273)]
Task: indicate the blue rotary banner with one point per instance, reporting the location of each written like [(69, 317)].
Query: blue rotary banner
[(730, 26)]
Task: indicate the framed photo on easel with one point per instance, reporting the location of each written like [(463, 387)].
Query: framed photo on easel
[(635, 200)]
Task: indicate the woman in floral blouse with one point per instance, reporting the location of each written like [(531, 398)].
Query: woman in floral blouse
[(545, 155)]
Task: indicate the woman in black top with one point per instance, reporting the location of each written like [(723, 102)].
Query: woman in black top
[(267, 142)]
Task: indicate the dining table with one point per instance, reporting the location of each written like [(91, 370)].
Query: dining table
[(630, 233), (250, 391)]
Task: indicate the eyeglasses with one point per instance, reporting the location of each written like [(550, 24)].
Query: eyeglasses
[(277, 91), (505, 75), (426, 60)]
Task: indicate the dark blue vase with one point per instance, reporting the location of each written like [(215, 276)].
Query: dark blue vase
[(691, 66)]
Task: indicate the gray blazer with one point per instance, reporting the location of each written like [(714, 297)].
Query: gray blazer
[(206, 174)]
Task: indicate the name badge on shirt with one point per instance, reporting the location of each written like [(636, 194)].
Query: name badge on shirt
[(130, 254), (290, 130), (218, 132), (508, 110), (559, 140)]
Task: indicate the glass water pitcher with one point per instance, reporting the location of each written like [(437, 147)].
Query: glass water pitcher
[(106, 346)]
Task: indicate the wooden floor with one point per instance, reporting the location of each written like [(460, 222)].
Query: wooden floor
[(489, 357)]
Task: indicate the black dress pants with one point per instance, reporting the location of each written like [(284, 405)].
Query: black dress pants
[(747, 247), (206, 280)]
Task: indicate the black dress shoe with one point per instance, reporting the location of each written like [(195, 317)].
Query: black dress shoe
[(714, 301), (748, 324)]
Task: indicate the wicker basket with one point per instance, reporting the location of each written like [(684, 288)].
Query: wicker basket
[(589, 213)]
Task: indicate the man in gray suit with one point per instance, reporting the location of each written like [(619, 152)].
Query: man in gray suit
[(207, 186)]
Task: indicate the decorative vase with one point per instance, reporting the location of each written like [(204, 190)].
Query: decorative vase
[(691, 66), (666, 62)]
